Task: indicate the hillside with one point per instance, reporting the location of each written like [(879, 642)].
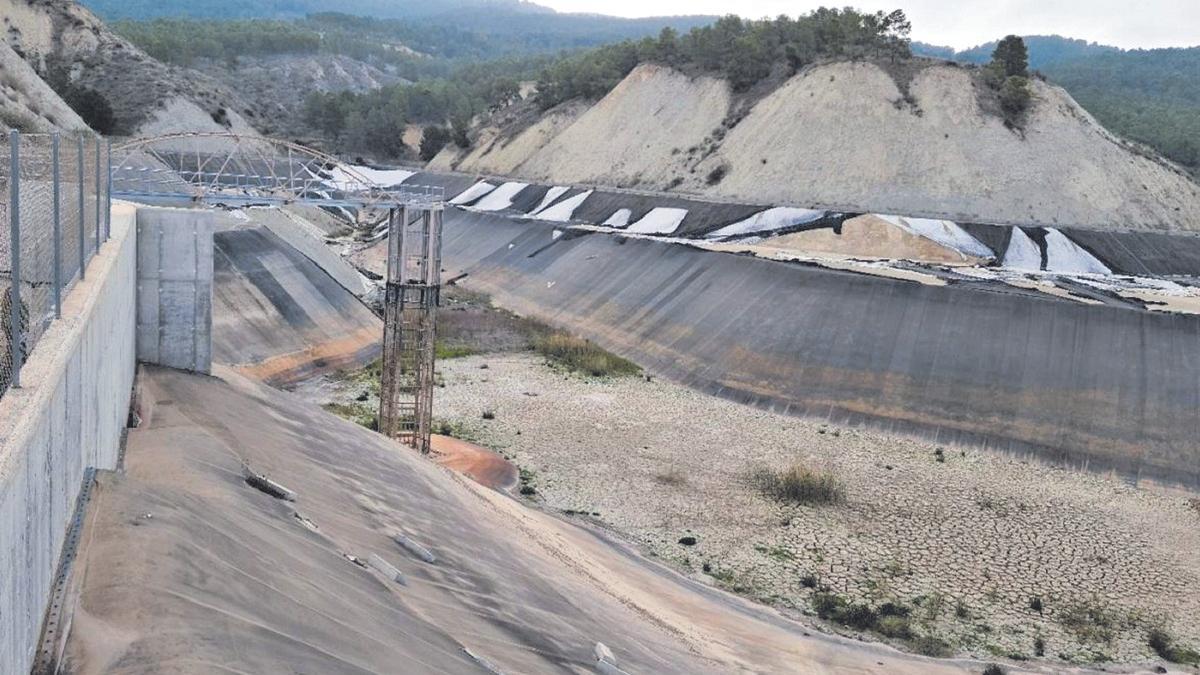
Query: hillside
[(1147, 95), (235, 9), (125, 91), (278, 84), (841, 135), (29, 104), (488, 28), (1151, 96)]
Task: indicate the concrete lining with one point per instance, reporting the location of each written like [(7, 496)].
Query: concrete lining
[(1098, 387), (66, 418)]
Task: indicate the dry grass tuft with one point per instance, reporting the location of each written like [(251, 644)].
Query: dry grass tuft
[(800, 485)]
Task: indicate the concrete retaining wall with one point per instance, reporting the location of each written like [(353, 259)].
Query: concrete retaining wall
[(67, 417), (174, 288)]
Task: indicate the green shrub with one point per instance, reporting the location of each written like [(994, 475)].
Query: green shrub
[(1164, 645), (931, 645), (799, 485), (433, 139), (452, 351), (1015, 97), (579, 355), (1089, 620), (898, 627), (359, 413)]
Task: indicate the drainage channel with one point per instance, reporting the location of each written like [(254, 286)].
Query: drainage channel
[(57, 622)]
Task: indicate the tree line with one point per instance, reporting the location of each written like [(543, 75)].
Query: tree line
[(744, 52), (373, 122)]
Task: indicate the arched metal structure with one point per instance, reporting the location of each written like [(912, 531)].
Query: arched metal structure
[(238, 169)]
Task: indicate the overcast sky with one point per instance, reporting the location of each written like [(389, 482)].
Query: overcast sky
[(964, 23)]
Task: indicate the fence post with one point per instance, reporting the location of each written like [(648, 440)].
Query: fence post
[(108, 191), (82, 210), (97, 195), (57, 239), (15, 329)]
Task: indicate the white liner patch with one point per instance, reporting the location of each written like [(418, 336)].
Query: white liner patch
[(1067, 257), (1022, 253), (944, 232), (562, 211), (659, 221), (501, 198), (778, 218), (472, 193), (551, 195)]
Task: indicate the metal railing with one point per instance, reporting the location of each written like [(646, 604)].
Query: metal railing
[(55, 211)]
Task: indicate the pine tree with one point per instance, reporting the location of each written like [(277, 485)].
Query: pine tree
[(1013, 56)]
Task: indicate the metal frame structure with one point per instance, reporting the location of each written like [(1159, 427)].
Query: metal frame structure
[(229, 169), (413, 286)]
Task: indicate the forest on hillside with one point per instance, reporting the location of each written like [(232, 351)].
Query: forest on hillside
[(476, 62), (1150, 96), (743, 51), (290, 9)]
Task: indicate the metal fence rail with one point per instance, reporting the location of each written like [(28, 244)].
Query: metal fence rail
[(55, 203)]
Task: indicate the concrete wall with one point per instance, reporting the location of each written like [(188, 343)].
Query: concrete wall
[(67, 417), (174, 288)]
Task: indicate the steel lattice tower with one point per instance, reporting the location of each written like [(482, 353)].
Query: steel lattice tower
[(413, 285)]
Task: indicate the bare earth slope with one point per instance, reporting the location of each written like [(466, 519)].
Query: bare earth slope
[(278, 84), (147, 96), (27, 103), (840, 135)]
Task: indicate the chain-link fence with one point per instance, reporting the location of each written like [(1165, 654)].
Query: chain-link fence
[(54, 213)]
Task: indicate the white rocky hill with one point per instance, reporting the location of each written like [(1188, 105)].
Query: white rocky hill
[(842, 136)]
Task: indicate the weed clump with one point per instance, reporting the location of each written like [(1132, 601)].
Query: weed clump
[(799, 485), (444, 350), (931, 645), (1088, 620), (359, 413), (1164, 645), (579, 355)]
